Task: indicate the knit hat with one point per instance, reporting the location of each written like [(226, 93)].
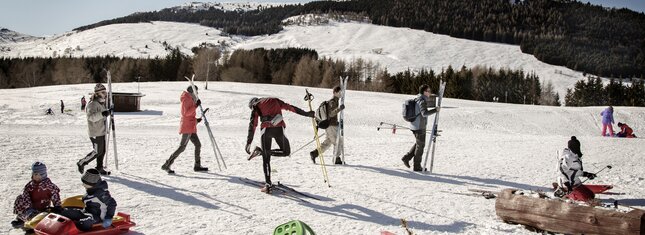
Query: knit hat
[(253, 102), (574, 146), (39, 168), (99, 87), (620, 124), (91, 177)]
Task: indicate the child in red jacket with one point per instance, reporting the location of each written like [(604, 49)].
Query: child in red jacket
[(39, 194)]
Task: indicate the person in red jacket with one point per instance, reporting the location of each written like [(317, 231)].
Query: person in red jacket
[(37, 196), (625, 131), (269, 112), (188, 130)]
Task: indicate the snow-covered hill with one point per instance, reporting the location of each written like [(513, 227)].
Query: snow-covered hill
[(395, 48), (483, 145), (8, 36)]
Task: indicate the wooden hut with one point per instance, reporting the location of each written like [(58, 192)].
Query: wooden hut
[(127, 102)]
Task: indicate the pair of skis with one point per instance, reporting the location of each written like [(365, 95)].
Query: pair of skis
[(216, 151), (432, 143), (285, 190), (340, 137), (109, 126)]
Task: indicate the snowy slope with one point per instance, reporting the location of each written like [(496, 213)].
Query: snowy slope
[(483, 145), (395, 48), (7, 36)]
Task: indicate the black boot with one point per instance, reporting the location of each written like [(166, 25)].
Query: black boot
[(166, 167), (338, 161), (81, 167), (200, 168), (406, 162), (17, 223), (314, 155)]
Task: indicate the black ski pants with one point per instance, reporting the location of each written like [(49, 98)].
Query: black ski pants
[(83, 221), (416, 152), (182, 146), (284, 149), (98, 144)]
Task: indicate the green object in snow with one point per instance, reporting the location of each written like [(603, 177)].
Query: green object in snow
[(294, 227)]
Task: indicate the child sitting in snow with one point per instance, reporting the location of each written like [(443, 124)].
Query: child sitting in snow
[(625, 131), (37, 196), (570, 167), (99, 205)]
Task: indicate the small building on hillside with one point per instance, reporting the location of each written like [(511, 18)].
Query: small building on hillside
[(127, 102)]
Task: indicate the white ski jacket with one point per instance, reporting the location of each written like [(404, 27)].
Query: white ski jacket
[(570, 167), (95, 120)]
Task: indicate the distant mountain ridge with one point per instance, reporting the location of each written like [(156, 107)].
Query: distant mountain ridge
[(583, 37)]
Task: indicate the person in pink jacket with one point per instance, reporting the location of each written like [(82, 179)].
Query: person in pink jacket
[(607, 121), (188, 130), (39, 195)]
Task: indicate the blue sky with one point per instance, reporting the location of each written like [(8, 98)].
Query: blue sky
[(48, 17)]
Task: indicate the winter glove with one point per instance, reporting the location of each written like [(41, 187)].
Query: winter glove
[(589, 175), (198, 103), (248, 148), (310, 114), (199, 120), (341, 107), (107, 223), (105, 113)]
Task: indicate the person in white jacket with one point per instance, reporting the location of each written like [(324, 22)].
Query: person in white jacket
[(96, 115), (570, 167)]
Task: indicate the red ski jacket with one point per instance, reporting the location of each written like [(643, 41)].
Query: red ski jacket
[(188, 123), (37, 195), (266, 109)]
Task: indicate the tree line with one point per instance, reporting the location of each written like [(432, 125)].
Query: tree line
[(582, 37), (290, 66), (594, 93)]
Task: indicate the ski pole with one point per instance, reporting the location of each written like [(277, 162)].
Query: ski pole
[(305, 145), (309, 97), (581, 183)]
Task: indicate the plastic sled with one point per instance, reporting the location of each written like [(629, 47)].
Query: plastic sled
[(599, 188), (294, 227), (57, 224)]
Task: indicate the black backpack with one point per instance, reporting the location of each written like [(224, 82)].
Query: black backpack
[(321, 115), (410, 110)]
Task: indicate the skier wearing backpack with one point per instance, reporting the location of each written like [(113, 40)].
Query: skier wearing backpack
[(331, 110), (188, 130), (269, 112), (96, 116), (570, 167), (418, 127)]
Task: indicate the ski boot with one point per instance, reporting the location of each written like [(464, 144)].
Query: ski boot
[(199, 168), (313, 155), (166, 168), (257, 151), (338, 161), (267, 188)]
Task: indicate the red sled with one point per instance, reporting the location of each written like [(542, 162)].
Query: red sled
[(58, 224), (599, 188)]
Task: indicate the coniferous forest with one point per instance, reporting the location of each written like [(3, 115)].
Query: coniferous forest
[(582, 37)]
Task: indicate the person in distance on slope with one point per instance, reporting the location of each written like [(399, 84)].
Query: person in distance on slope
[(62, 107), (96, 113), (99, 204), (188, 130), (269, 112), (418, 128), (570, 167), (39, 194), (83, 103), (332, 131), (607, 121), (625, 131)]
